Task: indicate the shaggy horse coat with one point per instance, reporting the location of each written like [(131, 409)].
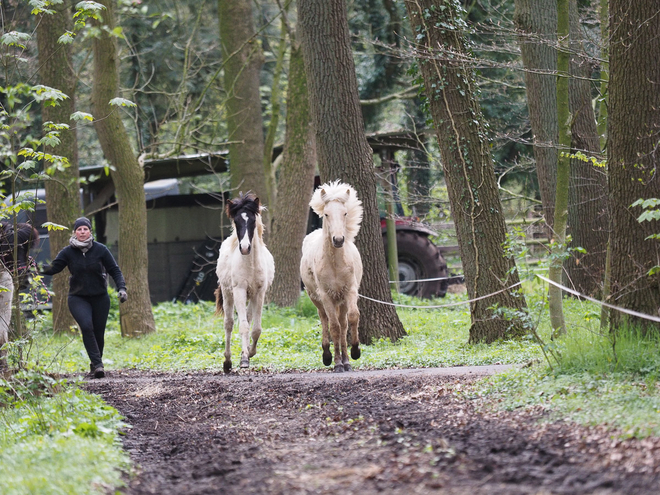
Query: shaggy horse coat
[(245, 272), (331, 269), (11, 243)]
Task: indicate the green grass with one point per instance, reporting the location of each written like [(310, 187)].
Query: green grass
[(57, 439), (190, 337), (599, 379)]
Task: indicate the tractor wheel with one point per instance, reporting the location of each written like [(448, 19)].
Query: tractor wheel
[(419, 259)]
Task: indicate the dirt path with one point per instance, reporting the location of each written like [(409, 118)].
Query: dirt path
[(392, 432)]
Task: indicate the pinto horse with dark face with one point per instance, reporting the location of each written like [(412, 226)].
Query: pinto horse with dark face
[(245, 272), (15, 246)]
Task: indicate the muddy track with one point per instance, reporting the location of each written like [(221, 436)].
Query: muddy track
[(393, 432)]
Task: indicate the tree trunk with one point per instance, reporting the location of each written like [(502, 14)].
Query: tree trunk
[(555, 294), (634, 123), (294, 186), (242, 58), (343, 151), (468, 167), (62, 192), (136, 314), (537, 23), (588, 220)]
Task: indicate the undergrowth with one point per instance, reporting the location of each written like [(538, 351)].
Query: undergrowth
[(55, 438), (600, 378)]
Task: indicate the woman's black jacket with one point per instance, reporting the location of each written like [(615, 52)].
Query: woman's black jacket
[(88, 270)]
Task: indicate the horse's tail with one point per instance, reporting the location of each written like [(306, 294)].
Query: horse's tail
[(219, 308)]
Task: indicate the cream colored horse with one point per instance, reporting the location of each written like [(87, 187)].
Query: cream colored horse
[(331, 269), (245, 272)]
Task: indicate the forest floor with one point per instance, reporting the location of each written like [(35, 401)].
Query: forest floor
[(390, 431)]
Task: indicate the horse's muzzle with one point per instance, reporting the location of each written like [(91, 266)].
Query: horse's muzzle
[(245, 251), (338, 242)]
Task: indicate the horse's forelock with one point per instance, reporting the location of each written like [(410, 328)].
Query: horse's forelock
[(248, 201)]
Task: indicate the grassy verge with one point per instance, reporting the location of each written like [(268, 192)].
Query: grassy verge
[(55, 438), (599, 379), (596, 381), (190, 337)]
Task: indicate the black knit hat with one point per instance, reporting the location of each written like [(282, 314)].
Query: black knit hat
[(82, 221)]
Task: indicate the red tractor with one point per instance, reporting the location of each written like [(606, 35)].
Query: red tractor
[(419, 259)]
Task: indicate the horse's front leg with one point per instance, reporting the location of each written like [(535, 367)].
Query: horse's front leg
[(343, 328), (353, 323), (335, 330), (228, 309), (256, 307), (240, 301), (325, 334)]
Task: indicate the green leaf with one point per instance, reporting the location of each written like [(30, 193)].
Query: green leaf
[(14, 38), (46, 93), (66, 38), (82, 116), (54, 226), (116, 102)]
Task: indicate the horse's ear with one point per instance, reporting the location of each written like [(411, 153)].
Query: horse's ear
[(323, 194), (258, 203), (228, 208)]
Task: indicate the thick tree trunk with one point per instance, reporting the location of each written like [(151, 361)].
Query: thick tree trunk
[(62, 193), (136, 314), (468, 167), (588, 219), (537, 23), (343, 151), (242, 58), (633, 156), (294, 187)]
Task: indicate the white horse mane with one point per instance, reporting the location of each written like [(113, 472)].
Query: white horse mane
[(338, 191)]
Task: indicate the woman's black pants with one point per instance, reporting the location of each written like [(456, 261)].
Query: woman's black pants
[(91, 314)]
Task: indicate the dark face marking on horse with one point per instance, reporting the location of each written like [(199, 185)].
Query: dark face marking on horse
[(245, 222), (243, 212)]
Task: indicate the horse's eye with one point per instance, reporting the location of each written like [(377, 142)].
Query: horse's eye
[(326, 215), (345, 214)]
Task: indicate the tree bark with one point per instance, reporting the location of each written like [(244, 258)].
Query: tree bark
[(343, 151), (558, 245), (242, 58), (468, 166), (537, 23), (62, 192), (588, 219), (136, 314), (634, 124), (296, 181)]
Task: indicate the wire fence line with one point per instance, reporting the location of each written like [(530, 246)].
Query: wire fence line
[(541, 277)]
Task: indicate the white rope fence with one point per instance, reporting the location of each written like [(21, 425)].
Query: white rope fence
[(459, 303), (560, 286), (456, 277), (607, 305)]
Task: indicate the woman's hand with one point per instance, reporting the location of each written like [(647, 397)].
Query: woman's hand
[(123, 297)]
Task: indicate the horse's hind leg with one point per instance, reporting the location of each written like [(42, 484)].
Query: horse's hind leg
[(353, 323), (343, 327), (228, 309)]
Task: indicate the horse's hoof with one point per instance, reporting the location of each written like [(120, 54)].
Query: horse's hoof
[(327, 358), (245, 363), (227, 366), (355, 351), (347, 367), (339, 368)]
